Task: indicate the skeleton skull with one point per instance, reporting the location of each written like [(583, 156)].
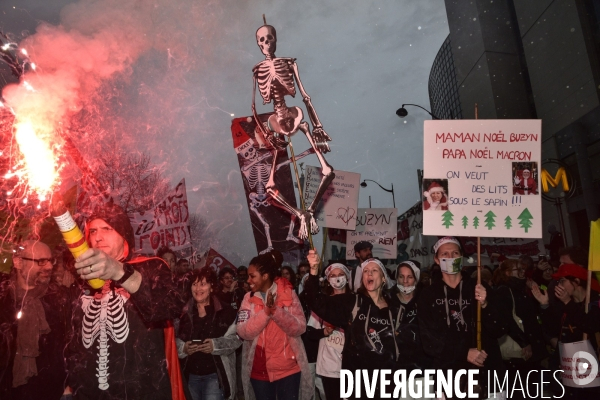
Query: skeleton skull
[(266, 38), (250, 153)]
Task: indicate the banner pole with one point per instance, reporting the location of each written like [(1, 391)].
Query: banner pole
[(478, 271), (310, 241)]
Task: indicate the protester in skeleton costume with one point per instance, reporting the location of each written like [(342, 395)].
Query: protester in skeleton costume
[(435, 197), (207, 340), (525, 185), (271, 320), (276, 78), (367, 317), (34, 326), (117, 349), (448, 314)]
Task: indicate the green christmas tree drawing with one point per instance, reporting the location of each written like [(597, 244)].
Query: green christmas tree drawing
[(489, 220), (508, 222), (476, 222), (525, 220), (447, 218), (465, 222)]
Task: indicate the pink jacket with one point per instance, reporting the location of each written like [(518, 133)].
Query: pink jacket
[(279, 334)]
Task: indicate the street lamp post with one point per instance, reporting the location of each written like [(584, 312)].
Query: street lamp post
[(401, 112), (364, 184)]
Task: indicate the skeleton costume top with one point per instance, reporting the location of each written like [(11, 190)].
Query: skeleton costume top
[(117, 350)]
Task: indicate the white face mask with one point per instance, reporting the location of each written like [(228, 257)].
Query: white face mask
[(406, 289), (451, 265), (338, 282)]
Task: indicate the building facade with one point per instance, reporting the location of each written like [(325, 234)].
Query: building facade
[(521, 59)]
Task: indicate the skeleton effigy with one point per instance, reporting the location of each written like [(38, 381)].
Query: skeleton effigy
[(276, 78)]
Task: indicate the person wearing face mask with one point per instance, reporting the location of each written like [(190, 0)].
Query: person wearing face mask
[(367, 317), (523, 346), (404, 298), (448, 315), (329, 360)]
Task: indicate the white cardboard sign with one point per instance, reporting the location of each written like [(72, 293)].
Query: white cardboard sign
[(481, 178), (339, 204), (378, 226)]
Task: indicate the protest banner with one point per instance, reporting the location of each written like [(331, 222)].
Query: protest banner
[(338, 205), (273, 227), (481, 178), (166, 225), (413, 245), (377, 226), (216, 261)]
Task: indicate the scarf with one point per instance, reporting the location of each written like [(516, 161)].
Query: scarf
[(29, 328)]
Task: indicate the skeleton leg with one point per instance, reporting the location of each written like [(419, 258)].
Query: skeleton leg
[(290, 235), (254, 208), (327, 171), (281, 201)]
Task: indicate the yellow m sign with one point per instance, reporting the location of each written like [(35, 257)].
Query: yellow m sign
[(561, 177)]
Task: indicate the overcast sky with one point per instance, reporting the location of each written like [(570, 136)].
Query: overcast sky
[(358, 60)]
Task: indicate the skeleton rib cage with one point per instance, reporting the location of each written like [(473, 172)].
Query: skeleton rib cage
[(273, 76), (102, 319)]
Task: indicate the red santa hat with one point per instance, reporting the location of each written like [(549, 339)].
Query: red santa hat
[(241, 141), (435, 187), (526, 170)]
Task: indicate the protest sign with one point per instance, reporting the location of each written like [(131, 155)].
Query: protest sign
[(216, 261), (338, 205), (166, 225), (375, 225), (413, 245), (273, 226), (481, 178)]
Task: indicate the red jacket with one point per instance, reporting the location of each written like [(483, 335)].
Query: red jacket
[(278, 334)]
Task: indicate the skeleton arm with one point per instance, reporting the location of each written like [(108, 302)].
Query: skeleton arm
[(312, 113), (299, 156), (259, 125)]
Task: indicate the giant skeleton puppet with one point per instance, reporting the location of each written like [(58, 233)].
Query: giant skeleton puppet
[(275, 78)]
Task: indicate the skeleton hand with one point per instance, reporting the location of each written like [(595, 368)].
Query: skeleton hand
[(95, 263), (321, 138)]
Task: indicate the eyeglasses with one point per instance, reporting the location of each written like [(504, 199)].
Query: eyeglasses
[(40, 261)]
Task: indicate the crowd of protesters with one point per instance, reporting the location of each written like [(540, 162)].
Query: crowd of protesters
[(161, 329)]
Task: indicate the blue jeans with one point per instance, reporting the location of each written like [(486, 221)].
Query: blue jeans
[(205, 387), (287, 388)]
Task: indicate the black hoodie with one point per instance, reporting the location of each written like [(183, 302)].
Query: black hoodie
[(369, 334), (449, 331)]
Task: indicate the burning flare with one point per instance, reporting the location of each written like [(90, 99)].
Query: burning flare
[(39, 159)]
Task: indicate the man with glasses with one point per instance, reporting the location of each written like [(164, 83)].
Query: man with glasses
[(34, 326)]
